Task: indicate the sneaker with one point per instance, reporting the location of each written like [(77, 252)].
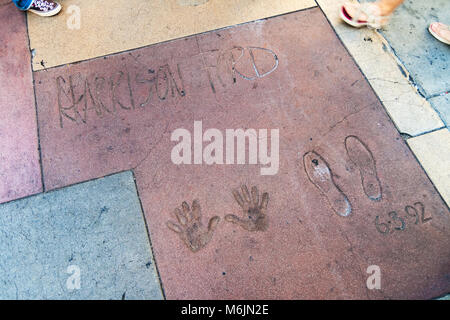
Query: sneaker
[(45, 8)]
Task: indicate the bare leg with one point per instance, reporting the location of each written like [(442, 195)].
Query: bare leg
[(383, 7), (371, 14), (388, 6)]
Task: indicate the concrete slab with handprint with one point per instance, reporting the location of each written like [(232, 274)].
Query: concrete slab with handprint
[(190, 227), (262, 105), (253, 217)]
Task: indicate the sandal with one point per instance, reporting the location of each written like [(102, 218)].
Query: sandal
[(45, 8), (366, 15), (435, 33)]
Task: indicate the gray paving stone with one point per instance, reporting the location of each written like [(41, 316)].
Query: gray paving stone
[(425, 58), (442, 105), (96, 226)]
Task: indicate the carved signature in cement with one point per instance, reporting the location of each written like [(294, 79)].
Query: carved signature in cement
[(190, 228), (253, 209), (249, 63), (81, 96)]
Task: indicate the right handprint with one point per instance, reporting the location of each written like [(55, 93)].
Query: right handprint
[(253, 217)]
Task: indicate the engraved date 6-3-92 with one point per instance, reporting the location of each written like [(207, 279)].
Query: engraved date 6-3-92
[(398, 223)]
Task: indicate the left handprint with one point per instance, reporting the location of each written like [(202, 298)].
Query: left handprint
[(190, 228)]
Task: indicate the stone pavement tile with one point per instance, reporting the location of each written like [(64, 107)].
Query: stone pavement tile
[(424, 57), (433, 152), (262, 75), (106, 115), (93, 232), (442, 105), (411, 113), (128, 24), (20, 173)]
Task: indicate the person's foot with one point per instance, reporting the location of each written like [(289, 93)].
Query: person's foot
[(440, 31), (45, 8), (359, 15)]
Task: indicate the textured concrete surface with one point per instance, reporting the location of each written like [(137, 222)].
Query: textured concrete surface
[(309, 231), (433, 152), (411, 113), (20, 174), (424, 57), (109, 31), (93, 230), (442, 105)]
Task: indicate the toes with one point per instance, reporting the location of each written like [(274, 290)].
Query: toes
[(436, 26), (439, 27)]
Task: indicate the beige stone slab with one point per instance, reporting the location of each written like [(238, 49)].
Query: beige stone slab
[(411, 113), (433, 152), (108, 27)]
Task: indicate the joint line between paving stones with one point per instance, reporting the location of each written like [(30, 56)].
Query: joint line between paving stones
[(35, 106), (390, 50), (149, 238), (438, 112), (175, 39), (357, 65), (418, 88), (427, 132), (384, 108), (401, 65), (88, 180), (440, 94), (63, 187), (426, 173)]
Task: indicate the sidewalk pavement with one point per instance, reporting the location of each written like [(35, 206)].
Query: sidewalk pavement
[(363, 168)]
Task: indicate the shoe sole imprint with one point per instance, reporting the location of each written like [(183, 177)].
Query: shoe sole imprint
[(361, 156), (319, 173)]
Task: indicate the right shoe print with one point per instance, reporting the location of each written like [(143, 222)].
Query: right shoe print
[(363, 159)]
